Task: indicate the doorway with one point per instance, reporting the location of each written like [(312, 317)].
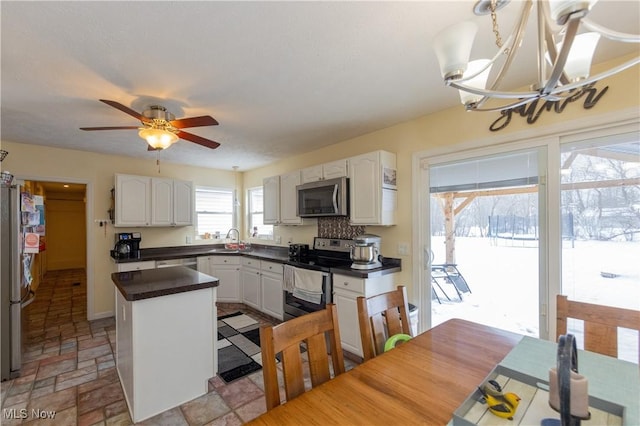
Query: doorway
[(64, 248)]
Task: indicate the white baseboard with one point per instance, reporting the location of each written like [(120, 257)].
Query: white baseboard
[(101, 315)]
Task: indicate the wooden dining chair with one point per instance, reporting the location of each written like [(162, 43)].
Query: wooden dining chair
[(376, 329), (315, 329), (600, 324)]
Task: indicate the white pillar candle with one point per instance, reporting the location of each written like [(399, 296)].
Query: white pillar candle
[(579, 394)]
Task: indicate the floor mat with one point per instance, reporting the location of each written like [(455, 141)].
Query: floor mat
[(238, 346)]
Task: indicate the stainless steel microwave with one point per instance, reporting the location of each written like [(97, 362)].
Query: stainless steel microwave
[(323, 198)]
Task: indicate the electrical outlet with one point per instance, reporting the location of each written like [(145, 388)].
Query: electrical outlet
[(188, 239), (403, 249), (278, 239)]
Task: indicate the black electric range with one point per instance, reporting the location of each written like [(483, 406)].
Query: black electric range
[(327, 253)]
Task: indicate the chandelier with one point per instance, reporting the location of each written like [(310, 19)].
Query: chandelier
[(563, 56)]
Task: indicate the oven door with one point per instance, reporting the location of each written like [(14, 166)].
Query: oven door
[(311, 293)]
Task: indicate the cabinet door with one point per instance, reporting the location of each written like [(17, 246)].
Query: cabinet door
[(289, 198), (335, 169), (133, 199), (229, 287), (272, 296), (312, 174), (251, 287), (365, 189), (348, 321), (161, 202), (202, 265), (271, 200), (183, 200)]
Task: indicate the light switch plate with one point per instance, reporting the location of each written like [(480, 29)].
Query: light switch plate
[(403, 249)]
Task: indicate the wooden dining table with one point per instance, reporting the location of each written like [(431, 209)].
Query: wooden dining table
[(422, 381)]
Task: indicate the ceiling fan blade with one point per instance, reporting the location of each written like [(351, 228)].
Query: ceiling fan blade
[(204, 120), (125, 109), (197, 139), (110, 128)]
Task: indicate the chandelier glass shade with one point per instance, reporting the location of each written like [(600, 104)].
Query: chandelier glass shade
[(158, 138), (563, 55)]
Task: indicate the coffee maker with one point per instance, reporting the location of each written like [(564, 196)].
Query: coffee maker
[(127, 245)]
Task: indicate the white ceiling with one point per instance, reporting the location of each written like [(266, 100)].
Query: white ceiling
[(282, 78)]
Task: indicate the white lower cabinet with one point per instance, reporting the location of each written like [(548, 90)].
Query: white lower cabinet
[(165, 349), (271, 287), (346, 290), (250, 278), (262, 286), (227, 270)]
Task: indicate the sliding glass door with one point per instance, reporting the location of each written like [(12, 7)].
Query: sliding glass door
[(485, 229), (600, 197)]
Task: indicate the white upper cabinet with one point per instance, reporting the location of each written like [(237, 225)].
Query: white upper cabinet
[(161, 202), (146, 201), (373, 189), (271, 200), (334, 169), (183, 203), (133, 200), (280, 198), (289, 199)]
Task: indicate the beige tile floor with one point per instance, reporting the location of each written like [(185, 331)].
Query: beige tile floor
[(69, 369)]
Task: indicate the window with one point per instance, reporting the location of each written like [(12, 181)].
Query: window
[(257, 229), (214, 210)]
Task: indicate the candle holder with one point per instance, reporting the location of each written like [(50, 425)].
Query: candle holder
[(568, 390)]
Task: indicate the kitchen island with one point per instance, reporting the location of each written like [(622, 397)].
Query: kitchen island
[(166, 332)]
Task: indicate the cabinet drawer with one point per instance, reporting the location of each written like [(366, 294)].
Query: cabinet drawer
[(224, 260), (136, 266), (274, 267), (342, 282), (250, 262)]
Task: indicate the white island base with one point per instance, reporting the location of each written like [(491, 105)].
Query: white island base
[(165, 349)]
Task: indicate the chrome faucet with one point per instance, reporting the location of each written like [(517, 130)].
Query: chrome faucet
[(237, 233)]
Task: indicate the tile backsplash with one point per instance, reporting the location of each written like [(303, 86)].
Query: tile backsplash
[(338, 227)]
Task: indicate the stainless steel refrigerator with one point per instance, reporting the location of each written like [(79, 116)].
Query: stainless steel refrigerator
[(14, 295)]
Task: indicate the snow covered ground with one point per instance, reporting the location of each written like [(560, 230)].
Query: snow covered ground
[(503, 278)]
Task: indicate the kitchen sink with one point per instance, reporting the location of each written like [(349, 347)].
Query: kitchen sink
[(224, 250)]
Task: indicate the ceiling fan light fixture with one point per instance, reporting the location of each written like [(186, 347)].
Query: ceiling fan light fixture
[(158, 138)]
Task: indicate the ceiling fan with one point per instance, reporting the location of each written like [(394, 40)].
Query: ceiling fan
[(160, 128)]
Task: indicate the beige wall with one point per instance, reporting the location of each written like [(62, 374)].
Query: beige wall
[(65, 233), (443, 129), (39, 163)]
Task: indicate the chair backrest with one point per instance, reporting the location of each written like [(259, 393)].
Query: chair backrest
[(314, 329), (375, 328), (600, 323)]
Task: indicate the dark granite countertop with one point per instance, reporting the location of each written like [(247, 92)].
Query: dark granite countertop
[(276, 254), (270, 253), (368, 273), (138, 285)]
